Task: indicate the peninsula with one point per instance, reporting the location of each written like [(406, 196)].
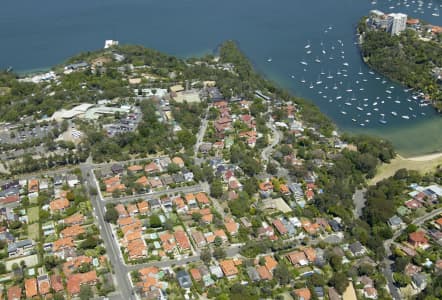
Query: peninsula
[(131, 174), (405, 50)]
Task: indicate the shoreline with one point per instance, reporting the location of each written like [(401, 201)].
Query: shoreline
[(424, 157), (422, 164)]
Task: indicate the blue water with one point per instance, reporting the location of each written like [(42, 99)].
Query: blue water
[(38, 34)]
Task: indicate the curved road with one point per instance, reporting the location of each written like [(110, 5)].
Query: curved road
[(265, 154)]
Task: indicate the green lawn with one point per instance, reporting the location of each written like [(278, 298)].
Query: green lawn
[(34, 231), (34, 214)]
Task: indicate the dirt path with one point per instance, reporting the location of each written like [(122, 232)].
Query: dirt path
[(421, 164)]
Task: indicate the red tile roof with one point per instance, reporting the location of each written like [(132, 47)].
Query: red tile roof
[(418, 238), (135, 168), (72, 231), (264, 273), (14, 293), (266, 186), (270, 263), (231, 227), (59, 204), (228, 267), (178, 161), (202, 198), (143, 207), (151, 167), (310, 253), (63, 243), (56, 283), (44, 287), (122, 212), (413, 21), (76, 280), (195, 273), (143, 181), (74, 219), (31, 287), (297, 258), (182, 240), (280, 227), (33, 185), (137, 249), (303, 293)]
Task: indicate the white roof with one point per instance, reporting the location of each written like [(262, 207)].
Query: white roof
[(75, 111), (436, 189)]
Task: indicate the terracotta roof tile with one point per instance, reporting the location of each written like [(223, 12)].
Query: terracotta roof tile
[(202, 198), (264, 273), (76, 280), (59, 204), (182, 240), (77, 218), (143, 207), (56, 283), (135, 168), (63, 243), (228, 267), (31, 287), (72, 231), (14, 293), (303, 293)]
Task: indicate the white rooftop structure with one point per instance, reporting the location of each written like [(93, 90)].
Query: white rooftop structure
[(110, 43), (96, 112), (437, 189), (73, 112)]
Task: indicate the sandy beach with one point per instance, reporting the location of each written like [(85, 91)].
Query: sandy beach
[(422, 164), (426, 157)]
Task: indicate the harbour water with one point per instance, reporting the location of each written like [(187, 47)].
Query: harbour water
[(274, 35)]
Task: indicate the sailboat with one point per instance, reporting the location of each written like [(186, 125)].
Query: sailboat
[(382, 121), (308, 45)]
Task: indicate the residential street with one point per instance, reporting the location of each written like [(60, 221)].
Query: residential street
[(202, 187), (265, 154), (120, 273), (387, 245), (200, 136), (121, 270)]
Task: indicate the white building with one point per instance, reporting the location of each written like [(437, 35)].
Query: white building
[(397, 23), (110, 43)]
